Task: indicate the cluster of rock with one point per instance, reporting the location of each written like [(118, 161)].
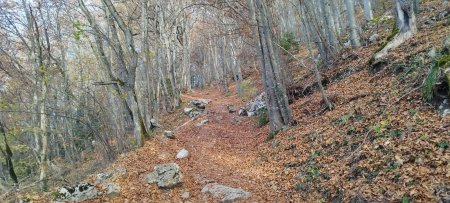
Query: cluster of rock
[(168, 176), (439, 17), (196, 107), (87, 191), (253, 107)]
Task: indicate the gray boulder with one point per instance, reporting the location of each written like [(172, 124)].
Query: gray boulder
[(227, 194), (199, 104), (253, 107), (169, 134), (192, 112), (166, 176), (78, 193)]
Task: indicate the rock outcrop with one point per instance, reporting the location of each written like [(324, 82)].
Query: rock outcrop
[(253, 107)]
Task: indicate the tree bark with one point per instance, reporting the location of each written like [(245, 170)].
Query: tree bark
[(280, 113), (354, 36)]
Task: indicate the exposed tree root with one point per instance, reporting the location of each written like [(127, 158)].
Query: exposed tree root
[(399, 39)]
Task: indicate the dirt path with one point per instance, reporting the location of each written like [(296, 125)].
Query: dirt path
[(224, 151)]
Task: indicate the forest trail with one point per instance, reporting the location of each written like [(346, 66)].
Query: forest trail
[(224, 151)]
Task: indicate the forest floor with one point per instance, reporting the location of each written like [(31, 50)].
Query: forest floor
[(225, 151), (381, 143)]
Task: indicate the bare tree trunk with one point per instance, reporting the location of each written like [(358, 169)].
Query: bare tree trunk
[(329, 30), (368, 9), (416, 4), (354, 36), (7, 153), (406, 23), (222, 64), (335, 10), (279, 111), (314, 61)]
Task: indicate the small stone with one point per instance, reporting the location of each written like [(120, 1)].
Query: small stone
[(122, 172), (185, 195), (182, 154), (187, 110), (169, 134), (193, 114), (154, 123), (242, 112), (373, 38), (444, 108), (24, 200), (347, 44), (231, 109), (275, 143), (202, 123), (446, 45), (299, 176), (113, 190), (443, 14), (103, 176), (432, 53), (428, 22)]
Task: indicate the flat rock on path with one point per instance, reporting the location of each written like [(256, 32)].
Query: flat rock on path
[(227, 194), (166, 176)]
